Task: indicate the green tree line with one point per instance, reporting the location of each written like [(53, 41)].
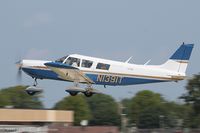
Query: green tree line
[(146, 109)]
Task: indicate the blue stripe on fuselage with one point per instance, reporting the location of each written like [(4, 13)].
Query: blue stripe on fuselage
[(116, 80), (104, 80), (41, 73)]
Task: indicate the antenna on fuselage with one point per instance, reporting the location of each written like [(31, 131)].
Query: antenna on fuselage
[(127, 61), (147, 62)]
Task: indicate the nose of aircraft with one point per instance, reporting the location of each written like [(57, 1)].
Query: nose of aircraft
[(19, 73), (19, 64)]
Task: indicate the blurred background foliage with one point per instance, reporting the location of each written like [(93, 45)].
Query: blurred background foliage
[(146, 109), (16, 97), (78, 104)]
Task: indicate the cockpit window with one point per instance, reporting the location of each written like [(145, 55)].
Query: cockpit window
[(73, 61), (61, 59), (86, 63), (103, 66)]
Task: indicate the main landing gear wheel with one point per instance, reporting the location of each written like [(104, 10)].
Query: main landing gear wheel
[(88, 94), (89, 91), (73, 93)]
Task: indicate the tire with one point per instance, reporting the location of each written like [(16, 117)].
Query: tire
[(88, 94), (73, 93), (31, 93)]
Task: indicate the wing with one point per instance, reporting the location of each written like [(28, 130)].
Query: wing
[(67, 72)]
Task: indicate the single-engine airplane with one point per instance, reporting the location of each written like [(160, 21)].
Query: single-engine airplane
[(90, 70)]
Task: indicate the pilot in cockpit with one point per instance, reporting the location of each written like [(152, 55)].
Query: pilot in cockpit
[(75, 62)]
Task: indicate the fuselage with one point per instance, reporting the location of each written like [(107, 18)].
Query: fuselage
[(103, 72)]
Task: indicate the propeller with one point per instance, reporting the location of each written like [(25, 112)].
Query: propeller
[(19, 72)]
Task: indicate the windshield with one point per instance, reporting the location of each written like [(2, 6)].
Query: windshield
[(61, 59)]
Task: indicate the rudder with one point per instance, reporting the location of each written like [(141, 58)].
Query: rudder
[(179, 60)]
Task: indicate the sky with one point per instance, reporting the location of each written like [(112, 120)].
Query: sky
[(111, 29)]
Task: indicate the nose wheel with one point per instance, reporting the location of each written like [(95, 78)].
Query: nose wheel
[(31, 93), (32, 90)]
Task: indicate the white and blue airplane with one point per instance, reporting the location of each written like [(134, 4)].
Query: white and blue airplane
[(90, 70)]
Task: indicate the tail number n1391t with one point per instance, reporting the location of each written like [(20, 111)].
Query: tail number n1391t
[(109, 79)]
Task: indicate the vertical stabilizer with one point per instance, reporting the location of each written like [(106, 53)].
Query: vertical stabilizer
[(178, 62)]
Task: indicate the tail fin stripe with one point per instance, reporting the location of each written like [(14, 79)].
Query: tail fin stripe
[(179, 60), (183, 53)]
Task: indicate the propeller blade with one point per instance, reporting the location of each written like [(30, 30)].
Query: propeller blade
[(19, 72), (19, 76)]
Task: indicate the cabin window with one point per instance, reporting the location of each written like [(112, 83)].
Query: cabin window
[(61, 59), (73, 61), (86, 63), (103, 66)]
